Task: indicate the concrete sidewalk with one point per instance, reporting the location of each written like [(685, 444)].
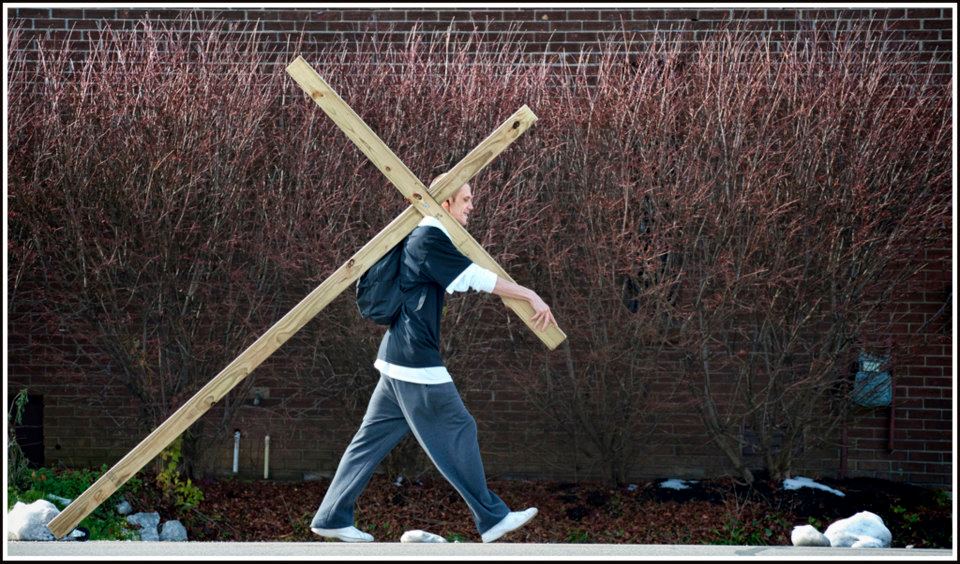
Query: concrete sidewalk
[(446, 551)]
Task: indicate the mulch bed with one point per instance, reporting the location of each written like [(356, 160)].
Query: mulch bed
[(718, 511)]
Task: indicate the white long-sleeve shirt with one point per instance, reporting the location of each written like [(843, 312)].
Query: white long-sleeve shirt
[(473, 277)]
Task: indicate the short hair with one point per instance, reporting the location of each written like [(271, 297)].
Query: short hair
[(438, 178)]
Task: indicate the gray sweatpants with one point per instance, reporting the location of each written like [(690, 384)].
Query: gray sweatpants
[(443, 427)]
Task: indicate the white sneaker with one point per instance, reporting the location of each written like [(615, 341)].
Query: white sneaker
[(513, 521), (346, 534)]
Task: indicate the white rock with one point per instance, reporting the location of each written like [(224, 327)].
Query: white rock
[(859, 531), (808, 535), (421, 536), (124, 508), (148, 523), (173, 531), (29, 522), (868, 542)]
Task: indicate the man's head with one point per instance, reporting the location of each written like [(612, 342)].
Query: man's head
[(460, 205)]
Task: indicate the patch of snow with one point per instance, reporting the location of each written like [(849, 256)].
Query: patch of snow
[(677, 484), (421, 536), (801, 482), (61, 500)]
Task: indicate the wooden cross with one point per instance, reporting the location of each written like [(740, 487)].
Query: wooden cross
[(424, 203)]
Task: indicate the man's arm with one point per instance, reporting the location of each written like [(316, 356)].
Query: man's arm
[(542, 316)]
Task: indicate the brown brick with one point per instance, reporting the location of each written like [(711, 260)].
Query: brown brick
[(915, 35), (31, 13), (941, 46), (280, 26), (937, 24), (428, 15), (871, 465), (494, 15), (583, 15), (357, 15), (747, 15), (517, 15), (565, 26), (923, 13), (49, 24), (600, 27), (637, 14), (941, 55), (680, 14), (778, 14), (905, 24), (890, 13)]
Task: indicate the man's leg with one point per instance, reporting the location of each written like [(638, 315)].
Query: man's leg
[(382, 428), (448, 433)]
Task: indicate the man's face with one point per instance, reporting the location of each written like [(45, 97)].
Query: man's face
[(460, 205)]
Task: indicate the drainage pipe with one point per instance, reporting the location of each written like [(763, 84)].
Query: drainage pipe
[(266, 457), (236, 450)]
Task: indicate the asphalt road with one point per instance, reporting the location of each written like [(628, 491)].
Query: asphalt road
[(445, 551)]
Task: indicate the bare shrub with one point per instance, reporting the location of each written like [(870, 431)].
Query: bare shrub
[(743, 209)]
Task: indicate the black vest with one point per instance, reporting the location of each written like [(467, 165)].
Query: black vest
[(430, 263)]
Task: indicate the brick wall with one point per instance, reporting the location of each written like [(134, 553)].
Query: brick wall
[(90, 420), (560, 33)]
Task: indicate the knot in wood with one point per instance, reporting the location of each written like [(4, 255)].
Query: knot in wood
[(350, 263), (417, 196), (516, 124)]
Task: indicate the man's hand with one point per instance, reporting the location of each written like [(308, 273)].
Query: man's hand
[(542, 316)]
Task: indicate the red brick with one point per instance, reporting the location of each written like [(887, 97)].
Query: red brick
[(871, 465), (778, 14), (907, 25), (916, 35), (600, 27), (942, 46), (583, 15), (923, 13), (50, 24), (881, 13), (357, 15), (938, 381), (747, 15), (565, 26), (943, 404), (30, 12), (937, 24), (637, 14)]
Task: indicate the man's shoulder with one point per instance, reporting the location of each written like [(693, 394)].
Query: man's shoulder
[(424, 237)]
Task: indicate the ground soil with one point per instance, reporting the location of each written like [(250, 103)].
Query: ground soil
[(718, 511)]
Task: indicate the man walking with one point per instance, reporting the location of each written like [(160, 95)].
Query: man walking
[(416, 393)]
